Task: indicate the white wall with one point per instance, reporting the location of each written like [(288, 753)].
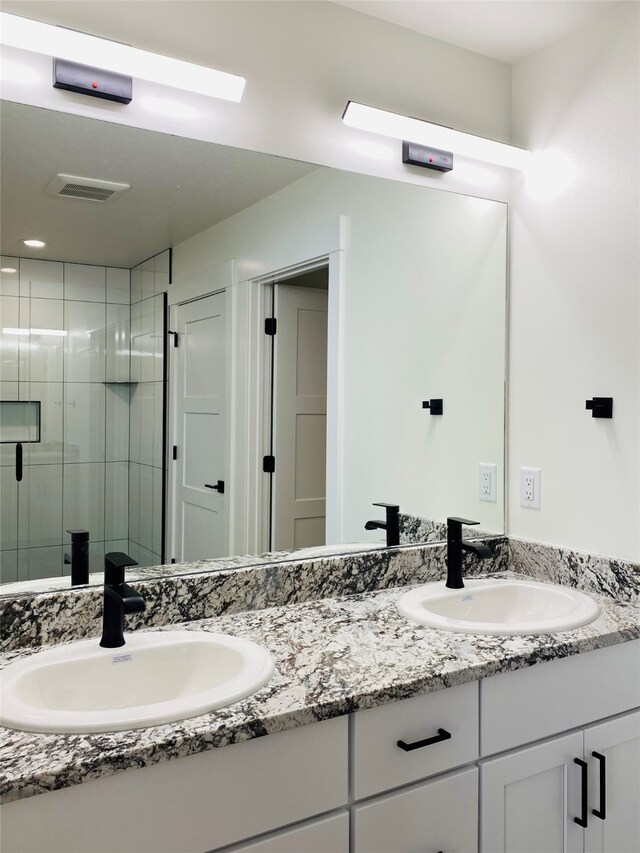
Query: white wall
[(422, 314), (303, 61), (575, 294)]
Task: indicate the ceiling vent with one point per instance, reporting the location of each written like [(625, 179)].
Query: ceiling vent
[(85, 189)]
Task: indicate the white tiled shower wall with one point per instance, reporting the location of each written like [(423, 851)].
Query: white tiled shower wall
[(77, 476), (98, 465)]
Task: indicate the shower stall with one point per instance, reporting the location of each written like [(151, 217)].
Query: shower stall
[(82, 394)]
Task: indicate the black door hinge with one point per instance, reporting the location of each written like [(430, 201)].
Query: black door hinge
[(174, 454), (270, 326), (175, 337), (269, 464)]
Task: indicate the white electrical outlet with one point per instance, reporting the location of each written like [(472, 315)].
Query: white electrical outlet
[(530, 488), (488, 482)]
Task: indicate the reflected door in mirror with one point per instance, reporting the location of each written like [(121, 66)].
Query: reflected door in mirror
[(199, 429)]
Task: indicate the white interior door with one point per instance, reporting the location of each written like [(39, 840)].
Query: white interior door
[(300, 417), (199, 395)]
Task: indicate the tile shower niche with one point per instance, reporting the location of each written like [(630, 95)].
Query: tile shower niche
[(67, 397)]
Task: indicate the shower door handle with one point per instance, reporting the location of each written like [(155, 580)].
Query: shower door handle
[(18, 461)]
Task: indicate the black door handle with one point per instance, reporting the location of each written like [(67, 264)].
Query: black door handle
[(443, 734), (19, 461), (219, 487), (602, 811), (582, 821)]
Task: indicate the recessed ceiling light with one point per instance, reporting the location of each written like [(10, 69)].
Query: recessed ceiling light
[(416, 130), (8, 269), (34, 244), (86, 49)]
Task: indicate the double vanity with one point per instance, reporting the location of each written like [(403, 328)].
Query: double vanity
[(494, 730)]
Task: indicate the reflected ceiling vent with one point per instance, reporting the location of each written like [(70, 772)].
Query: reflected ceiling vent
[(85, 189)]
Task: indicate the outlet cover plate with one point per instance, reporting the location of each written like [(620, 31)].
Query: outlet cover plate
[(488, 482), (530, 488)]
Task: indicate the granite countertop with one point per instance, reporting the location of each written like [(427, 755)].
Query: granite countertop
[(333, 656)]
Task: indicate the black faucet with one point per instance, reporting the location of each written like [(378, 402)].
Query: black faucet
[(79, 559), (391, 525), (455, 546), (118, 599)]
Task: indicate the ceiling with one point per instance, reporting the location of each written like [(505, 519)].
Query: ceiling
[(179, 187), (507, 30)]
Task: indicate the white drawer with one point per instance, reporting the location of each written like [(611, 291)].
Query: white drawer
[(529, 704), (437, 815), (323, 835), (188, 805), (378, 763)]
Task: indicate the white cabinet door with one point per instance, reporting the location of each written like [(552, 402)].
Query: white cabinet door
[(436, 816), (531, 797), (613, 752), (325, 835)]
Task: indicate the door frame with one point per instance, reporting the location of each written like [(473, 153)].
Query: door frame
[(243, 279), (206, 282), (264, 425)]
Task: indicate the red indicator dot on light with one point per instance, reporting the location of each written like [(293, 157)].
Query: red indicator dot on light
[(94, 85), (431, 159)]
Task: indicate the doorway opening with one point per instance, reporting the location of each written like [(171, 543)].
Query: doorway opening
[(296, 394)]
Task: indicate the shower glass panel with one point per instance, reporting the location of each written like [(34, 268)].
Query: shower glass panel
[(66, 373)]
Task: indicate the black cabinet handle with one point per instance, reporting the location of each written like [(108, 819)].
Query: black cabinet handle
[(219, 487), (18, 462), (443, 734), (582, 821), (602, 811)]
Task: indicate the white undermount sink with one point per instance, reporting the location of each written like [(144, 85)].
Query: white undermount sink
[(499, 607), (156, 677)]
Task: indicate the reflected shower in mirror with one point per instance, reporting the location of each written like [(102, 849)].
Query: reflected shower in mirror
[(233, 356)]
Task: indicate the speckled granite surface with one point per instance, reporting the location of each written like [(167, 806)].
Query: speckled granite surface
[(135, 573), (332, 656), (339, 644), (589, 572), (414, 529), (202, 590)]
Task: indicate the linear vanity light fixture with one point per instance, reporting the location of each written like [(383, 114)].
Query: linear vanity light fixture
[(434, 136), (86, 49)]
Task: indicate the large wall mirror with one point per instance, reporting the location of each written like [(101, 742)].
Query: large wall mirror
[(172, 422)]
